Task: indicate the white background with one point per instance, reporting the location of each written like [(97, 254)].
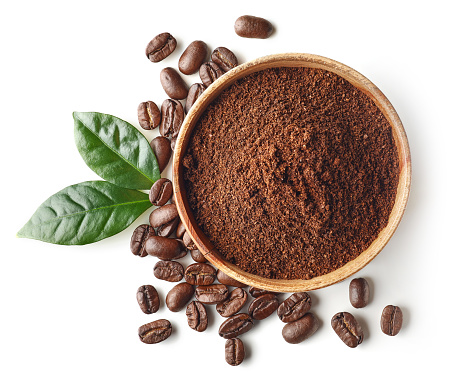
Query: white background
[(71, 313)]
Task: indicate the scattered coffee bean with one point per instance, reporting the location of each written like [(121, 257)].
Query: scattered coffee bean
[(163, 215), (255, 292), (209, 72), (197, 316), (197, 256), (211, 294), (178, 296), (200, 274), (164, 248), (297, 331), (359, 292), (234, 351), (190, 245), (160, 47), (172, 118), (391, 320), (171, 271), (224, 58), (194, 93), (161, 192), (148, 299), (253, 27), (155, 332), (234, 303), (192, 58), (263, 306), (167, 229), (180, 230), (148, 115), (294, 307), (347, 328), (227, 280), (236, 325), (139, 236), (173, 84), (162, 150)]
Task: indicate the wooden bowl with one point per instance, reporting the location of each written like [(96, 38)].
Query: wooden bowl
[(292, 60)]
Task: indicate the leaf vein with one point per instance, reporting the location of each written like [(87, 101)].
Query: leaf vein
[(85, 212)]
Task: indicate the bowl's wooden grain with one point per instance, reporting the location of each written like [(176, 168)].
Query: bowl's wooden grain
[(292, 60)]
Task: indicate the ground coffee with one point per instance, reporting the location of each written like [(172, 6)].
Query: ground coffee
[(291, 172)]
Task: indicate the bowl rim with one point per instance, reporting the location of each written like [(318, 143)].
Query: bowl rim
[(292, 60)]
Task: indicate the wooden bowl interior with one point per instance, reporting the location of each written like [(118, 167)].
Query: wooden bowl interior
[(292, 60)]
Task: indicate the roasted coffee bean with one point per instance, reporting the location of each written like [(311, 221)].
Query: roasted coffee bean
[(180, 230), (148, 115), (190, 245), (192, 58), (194, 93), (164, 248), (197, 316), (168, 228), (391, 320), (197, 256), (178, 296), (161, 192), (163, 215), (298, 331), (162, 150), (173, 84), (224, 58), (155, 332), (359, 292), (227, 280), (211, 294), (236, 325), (255, 292), (148, 299), (160, 47), (347, 328), (171, 271), (200, 274), (139, 236), (253, 27), (172, 118), (234, 351), (234, 303), (294, 307), (263, 306), (209, 72)]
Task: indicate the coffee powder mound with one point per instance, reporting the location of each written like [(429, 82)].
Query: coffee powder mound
[(291, 172)]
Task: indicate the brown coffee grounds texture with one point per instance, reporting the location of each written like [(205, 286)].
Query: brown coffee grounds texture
[(291, 172)]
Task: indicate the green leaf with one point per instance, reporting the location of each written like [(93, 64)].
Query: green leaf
[(115, 150), (85, 213)]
